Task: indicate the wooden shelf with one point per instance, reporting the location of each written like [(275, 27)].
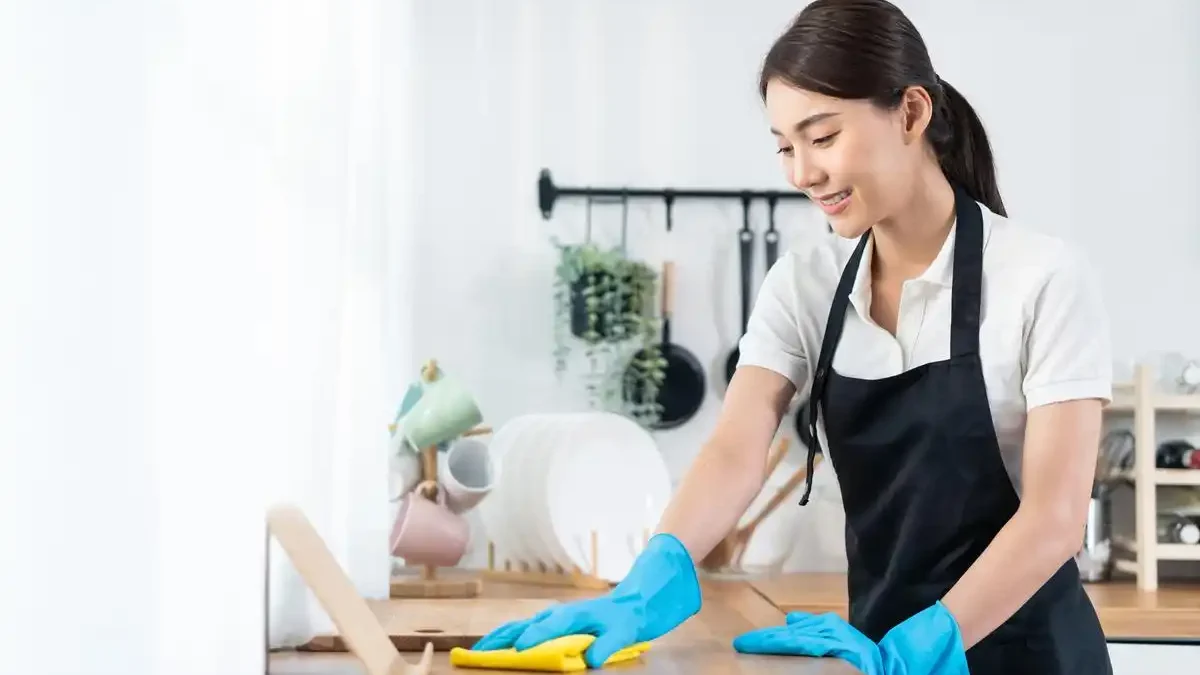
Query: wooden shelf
[(1177, 551), (1142, 399), (1170, 477), (1124, 400)]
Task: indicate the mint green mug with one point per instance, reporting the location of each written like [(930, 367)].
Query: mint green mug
[(444, 412)]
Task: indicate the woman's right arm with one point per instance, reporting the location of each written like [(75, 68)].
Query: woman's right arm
[(730, 469)]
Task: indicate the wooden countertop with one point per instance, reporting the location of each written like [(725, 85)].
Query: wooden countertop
[(700, 646), (1127, 614)]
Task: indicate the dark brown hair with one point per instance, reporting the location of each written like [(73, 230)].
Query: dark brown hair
[(868, 49)]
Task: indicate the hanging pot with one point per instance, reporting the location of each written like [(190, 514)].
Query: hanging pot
[(590, 309)]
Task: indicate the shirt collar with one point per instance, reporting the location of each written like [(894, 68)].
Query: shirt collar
[(940, 272)]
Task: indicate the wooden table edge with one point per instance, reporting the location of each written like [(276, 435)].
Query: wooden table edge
[(1126, 624)]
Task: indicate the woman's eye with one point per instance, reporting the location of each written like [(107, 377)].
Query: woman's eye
[(784, 151), (826, 140)]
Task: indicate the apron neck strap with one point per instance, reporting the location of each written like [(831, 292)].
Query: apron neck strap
[(966, 294), (833, 334)]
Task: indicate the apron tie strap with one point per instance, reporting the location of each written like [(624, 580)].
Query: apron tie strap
[(812, 457), (814, 445)]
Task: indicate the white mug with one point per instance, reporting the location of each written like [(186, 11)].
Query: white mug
[(466, 473)]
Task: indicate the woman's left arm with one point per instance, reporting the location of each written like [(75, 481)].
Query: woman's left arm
[(1067, 380), (1058, 466)]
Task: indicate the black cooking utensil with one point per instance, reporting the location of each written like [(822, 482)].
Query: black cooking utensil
[(746, 244), (681, 392), (771, 237)]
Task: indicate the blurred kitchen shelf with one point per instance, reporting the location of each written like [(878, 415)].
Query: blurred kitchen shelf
[(1170, 477), (1125, 399), (1162, 551), (1177, 551), (1143, 400)]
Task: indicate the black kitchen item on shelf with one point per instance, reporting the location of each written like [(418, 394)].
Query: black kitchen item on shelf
[(1117, 447), (1178, 528), (1177, 454), (745, 253)]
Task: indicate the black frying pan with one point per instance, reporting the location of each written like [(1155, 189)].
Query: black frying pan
[(746, 244), (681, 391)]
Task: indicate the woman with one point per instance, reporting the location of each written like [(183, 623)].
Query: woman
[(958, 361)]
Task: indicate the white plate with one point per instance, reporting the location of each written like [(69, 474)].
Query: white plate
[(523, 475), (518, 548), (492, 510), (554, 442), (609, 479), (518, 510)]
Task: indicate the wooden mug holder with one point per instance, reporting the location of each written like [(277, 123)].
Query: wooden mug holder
[(428, 584)]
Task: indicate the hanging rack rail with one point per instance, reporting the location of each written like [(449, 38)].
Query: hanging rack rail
[(549, 193)]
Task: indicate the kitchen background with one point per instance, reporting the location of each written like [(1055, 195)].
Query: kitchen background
[(1090, 107), (233, 230)]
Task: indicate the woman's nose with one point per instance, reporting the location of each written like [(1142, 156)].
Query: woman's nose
[(806, 175)]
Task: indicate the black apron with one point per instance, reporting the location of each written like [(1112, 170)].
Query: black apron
[(925, 489)]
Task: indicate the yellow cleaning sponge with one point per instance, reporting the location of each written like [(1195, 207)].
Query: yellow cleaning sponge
[(560, 655)]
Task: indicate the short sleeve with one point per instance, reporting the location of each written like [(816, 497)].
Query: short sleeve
[(772, 338), (1068, 346)]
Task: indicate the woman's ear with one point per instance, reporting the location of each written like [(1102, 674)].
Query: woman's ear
[(916, 106)]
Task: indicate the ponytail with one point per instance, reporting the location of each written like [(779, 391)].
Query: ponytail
[(963, 149)]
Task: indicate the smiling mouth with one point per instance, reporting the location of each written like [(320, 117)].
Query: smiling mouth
[(836, 198)]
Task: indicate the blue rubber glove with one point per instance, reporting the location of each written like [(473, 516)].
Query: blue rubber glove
[(927, 643), (815, 635), (660, 592)]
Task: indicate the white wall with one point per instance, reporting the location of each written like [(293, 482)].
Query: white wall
[(1091, 109)]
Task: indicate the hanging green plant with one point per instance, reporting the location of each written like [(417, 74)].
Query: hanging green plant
[(603, 302)]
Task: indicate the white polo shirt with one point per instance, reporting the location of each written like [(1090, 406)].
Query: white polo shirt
[(1044, 332)]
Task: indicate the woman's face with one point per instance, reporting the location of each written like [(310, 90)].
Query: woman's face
[(857, 162)]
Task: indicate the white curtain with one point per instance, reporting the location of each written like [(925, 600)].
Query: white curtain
[(205, 287)]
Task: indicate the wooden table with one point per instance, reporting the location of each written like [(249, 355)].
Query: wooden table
[(1127, 614), (700, 646)]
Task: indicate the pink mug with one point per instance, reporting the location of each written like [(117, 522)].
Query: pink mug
[(427, 533)]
